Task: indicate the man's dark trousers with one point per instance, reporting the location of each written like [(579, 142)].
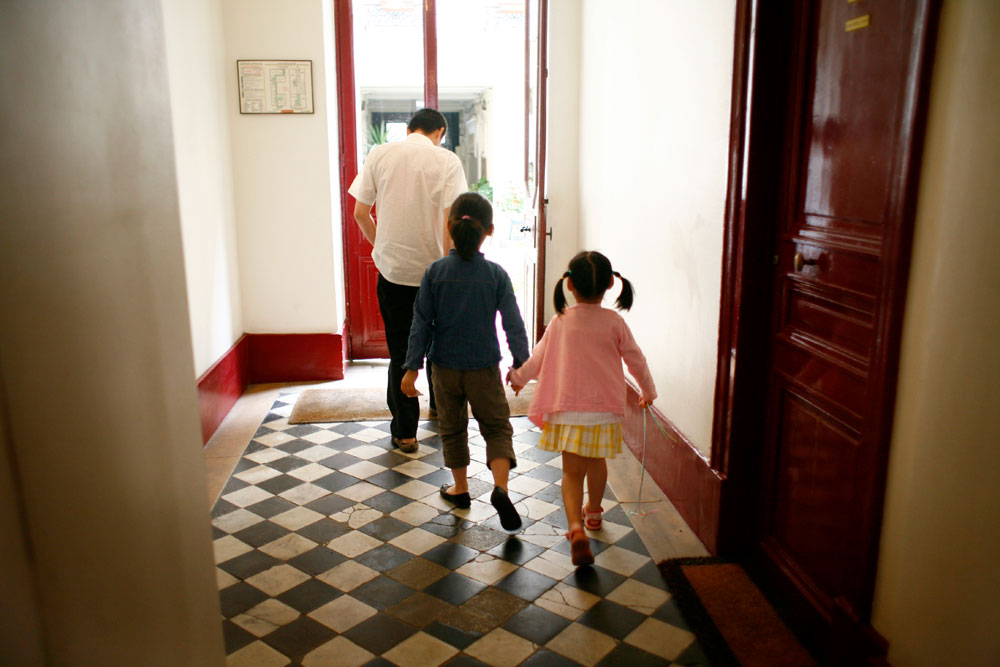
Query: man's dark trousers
[(396, 305)]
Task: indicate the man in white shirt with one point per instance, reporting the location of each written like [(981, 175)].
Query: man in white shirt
[(412, 184)]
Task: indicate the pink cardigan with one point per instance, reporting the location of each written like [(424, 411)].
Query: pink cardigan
[(578, 364)]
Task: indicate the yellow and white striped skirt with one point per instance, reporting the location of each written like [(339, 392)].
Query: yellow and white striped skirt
[(600, 441)]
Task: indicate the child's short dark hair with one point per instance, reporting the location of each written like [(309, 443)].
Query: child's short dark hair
[(427, 121), (470, 219), (592, 276)]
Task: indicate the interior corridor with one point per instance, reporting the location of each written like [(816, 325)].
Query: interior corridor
[(333, 548)]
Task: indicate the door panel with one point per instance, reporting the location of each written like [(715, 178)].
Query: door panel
[(840, 227)]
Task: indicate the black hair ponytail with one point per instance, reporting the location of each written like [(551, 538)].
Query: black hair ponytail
[(624, 300), (470, 219), (592, 276), (559, 297)]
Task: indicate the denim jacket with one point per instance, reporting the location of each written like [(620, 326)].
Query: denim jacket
[(454, 316)]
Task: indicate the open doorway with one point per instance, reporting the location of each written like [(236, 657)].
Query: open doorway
[(476, 61)]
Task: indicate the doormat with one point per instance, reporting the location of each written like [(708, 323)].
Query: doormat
[(344, 404), (733, 621)]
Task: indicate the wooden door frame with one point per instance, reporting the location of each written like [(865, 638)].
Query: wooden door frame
[(763, 84), (348, 155)]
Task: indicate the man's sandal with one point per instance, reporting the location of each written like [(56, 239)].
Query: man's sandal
[(592, 520), (579, 546)]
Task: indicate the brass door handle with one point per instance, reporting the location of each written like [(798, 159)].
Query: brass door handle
[(801, 261)]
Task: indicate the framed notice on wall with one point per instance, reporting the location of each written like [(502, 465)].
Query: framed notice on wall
[(275, 86)]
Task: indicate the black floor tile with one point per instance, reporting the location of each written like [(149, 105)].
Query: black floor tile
[(261, 533), (237, 598), (244, 464), (379, 633), (235, 637), (295, 446), (536, 624), (550, 494), (626, 654), (545, 473), (222, 508), (324, 530), (451, 635), (384, 558), (532, 438), (389, 459), (670, 613), (299, 637), (279, 484), (650, 574), (246, 565), (347, 428), (309, 595), (617, 515), (301, 430), (388, 479), (516, 551), (546, 658), (330, 504), (595, 580), (382, 592), (526, 584), (271, 507), (342, 459), (692, 656), (317, 561), (288, 464), (234, 484), (612, 619), (455, 588), (438, 477), (462, 660), (450, 555), (564, 546), (386, 528), (335, 481), (633, 542), (388, 502)]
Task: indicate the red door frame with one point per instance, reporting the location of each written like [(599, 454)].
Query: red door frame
[(347, 129)]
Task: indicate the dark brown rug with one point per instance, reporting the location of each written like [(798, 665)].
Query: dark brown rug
[(734, 622), (343, 404)]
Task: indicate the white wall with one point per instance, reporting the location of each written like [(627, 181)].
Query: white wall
[(654, 141), (938, 581), (286, 217), (97, 388), (198, 72)]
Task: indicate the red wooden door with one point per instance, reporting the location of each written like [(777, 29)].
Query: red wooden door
[(840, 251)]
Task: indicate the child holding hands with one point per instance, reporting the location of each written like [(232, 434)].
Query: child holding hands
[(580, 398), (455, 312)]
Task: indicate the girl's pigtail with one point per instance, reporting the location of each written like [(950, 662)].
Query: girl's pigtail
[(624, 300), (559, 297)]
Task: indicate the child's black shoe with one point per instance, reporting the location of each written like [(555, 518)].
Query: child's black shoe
[(509, 518)]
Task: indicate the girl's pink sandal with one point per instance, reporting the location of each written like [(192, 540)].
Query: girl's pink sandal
[(592, 520), (579, 546)]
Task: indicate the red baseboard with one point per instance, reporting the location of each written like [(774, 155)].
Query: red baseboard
[(221, 385), (295, 357), (259, 358), (677, 467)]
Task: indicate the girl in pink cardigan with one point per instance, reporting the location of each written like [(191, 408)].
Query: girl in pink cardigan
[(580, 398)]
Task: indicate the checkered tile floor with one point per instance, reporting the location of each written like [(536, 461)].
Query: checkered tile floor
[(332, 548)]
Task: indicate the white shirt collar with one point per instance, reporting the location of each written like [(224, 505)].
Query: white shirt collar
[(416, 136)]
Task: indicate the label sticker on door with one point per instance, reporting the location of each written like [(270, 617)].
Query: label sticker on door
[(858, 23)]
